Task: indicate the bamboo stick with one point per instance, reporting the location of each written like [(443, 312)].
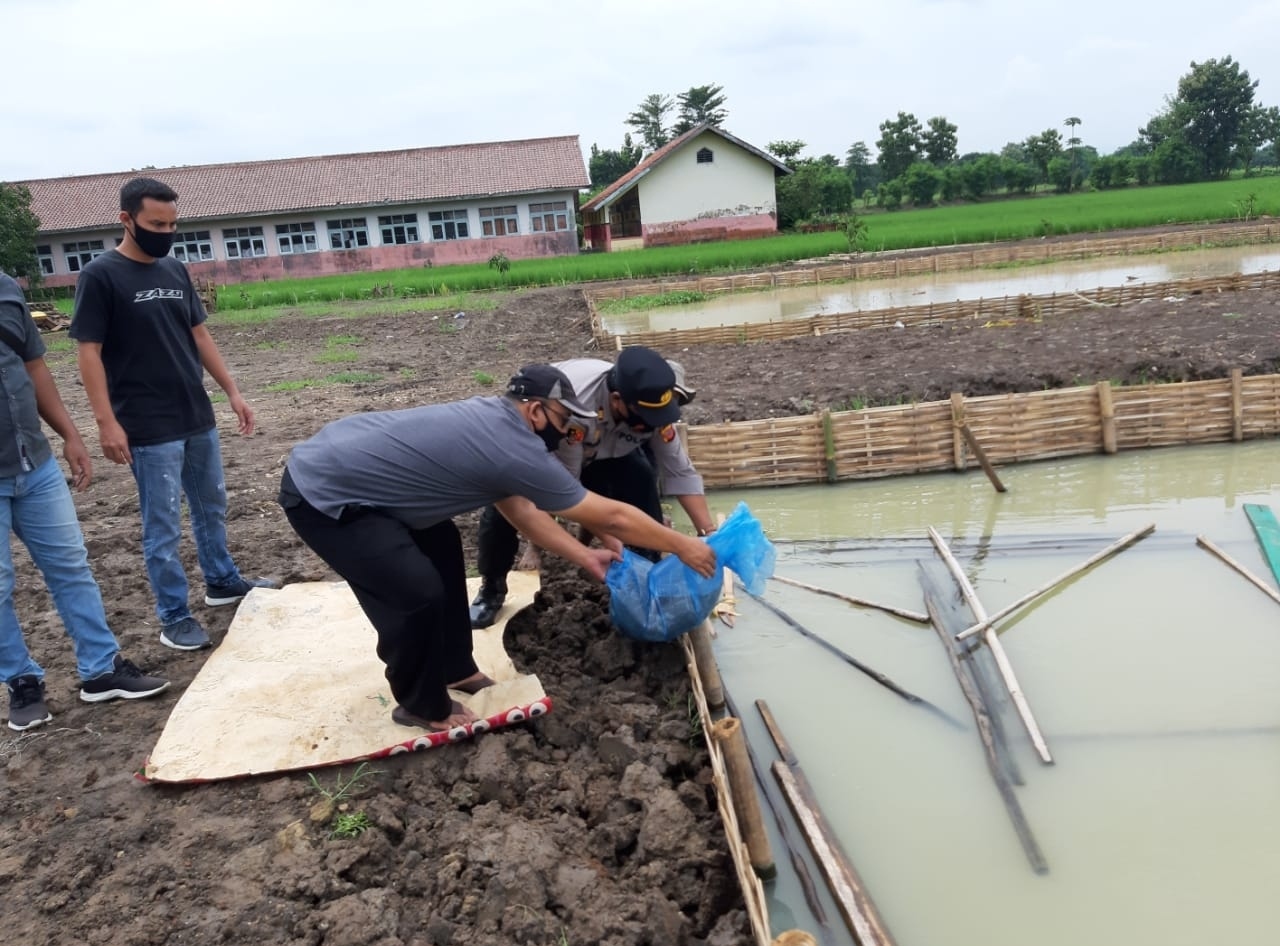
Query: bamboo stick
[(851, 599), (850, 893), (728, 733), (794, 938), (1262, 585), (1237, 404), (997, 650), (998, 762), (708, 670), (752, 889), (1048, 586), (981, 454), (1107, 413), (854, 662), (798, 863)]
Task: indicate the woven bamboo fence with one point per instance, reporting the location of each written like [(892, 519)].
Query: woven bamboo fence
[(882, 266), (1004, 308), (1012, 428)]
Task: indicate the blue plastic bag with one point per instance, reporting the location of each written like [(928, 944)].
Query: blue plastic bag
[(659, 602)]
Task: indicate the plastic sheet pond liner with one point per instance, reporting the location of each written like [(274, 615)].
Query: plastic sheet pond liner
[(659, 602)]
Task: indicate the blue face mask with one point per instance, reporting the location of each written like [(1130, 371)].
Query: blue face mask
[(152, 242)]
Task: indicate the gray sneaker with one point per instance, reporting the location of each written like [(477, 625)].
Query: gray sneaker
[(186, 634), (27, 707), (215, 596), (124, 681)]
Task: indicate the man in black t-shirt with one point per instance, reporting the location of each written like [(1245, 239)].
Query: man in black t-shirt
[(143, 352)]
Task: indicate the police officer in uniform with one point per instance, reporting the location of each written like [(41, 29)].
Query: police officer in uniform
[(621, 453)]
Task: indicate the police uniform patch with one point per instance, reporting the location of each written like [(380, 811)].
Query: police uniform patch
[(667, 433)]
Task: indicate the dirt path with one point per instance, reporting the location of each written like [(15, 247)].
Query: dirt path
[(595, 825)]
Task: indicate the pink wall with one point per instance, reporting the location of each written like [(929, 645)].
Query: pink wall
[(372, 258), (706, 229)]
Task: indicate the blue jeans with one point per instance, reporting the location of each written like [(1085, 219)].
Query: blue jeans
[(164, 473), (37, 507)]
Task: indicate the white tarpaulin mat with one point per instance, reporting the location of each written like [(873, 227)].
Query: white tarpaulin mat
[(296, 684)]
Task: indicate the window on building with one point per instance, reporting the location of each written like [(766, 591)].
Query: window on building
[(448, 224), (348, 233), (399, 228), (192, 246), (550, 216), (705, 156), (44, 256), (244, 242), (499, 221), (297, 238), (79, 254)]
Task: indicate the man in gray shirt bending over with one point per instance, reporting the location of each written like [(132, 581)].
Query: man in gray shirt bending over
[(374, 495)]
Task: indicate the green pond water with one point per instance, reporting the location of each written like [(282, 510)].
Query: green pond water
[(1155, 678)]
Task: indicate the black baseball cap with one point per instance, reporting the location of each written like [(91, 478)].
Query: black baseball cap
[(647, 385), (548, 382)]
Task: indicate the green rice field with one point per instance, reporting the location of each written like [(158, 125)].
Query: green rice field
[(1057, 214)]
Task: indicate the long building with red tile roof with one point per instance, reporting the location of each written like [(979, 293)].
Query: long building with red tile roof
[(310, 216)]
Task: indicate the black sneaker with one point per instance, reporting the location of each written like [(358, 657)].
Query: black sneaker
[(215, 596), (186, 634), (27, 707), (123, 681), (487, 604)]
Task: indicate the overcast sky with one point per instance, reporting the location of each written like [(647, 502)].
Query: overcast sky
[(109, 85)]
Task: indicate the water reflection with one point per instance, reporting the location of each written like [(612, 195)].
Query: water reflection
[(801, 302)]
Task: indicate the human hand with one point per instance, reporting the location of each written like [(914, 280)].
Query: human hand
[(596, 562), (115, 442), (697, 555), (243, 412), (77, 457)]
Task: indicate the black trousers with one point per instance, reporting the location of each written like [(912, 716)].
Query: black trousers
[(631, 479), (412, 586)]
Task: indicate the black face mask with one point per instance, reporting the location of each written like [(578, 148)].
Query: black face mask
[(152, 242), (550, 436)]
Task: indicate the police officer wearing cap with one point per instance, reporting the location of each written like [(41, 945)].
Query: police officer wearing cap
[(634, 404)]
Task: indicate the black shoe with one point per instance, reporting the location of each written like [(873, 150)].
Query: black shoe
[(27, 707), (488, 602), (123, 681)]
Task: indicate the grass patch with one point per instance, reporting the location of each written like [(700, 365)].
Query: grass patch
[(482, 377), (300, 384), (352, 377), (654, 301), (338, 354), (218, 397), (342, 341), (269, 346), (59, 345), (342, 377)]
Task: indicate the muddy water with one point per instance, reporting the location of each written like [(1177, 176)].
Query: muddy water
[(1155, 678), (802, 302)]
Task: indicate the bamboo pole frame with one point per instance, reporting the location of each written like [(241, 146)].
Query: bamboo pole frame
[(852, 599), (851, 896), (998, 762), (1224, 557), (1117, 546), (997, 650)]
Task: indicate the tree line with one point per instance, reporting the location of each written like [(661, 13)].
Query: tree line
[(1208, 128)]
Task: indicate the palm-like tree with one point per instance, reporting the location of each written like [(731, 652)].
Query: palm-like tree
[(1073, 142)]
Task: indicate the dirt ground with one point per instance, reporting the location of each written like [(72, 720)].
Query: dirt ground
[(597, 823)]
